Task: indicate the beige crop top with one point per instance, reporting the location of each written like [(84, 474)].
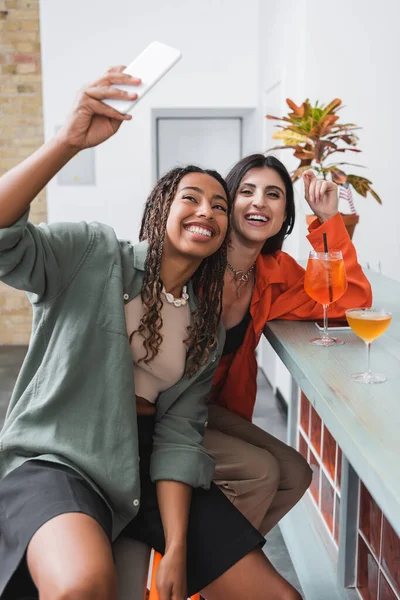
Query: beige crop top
[(169, 365)]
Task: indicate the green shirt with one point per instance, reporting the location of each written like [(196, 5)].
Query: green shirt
[(74, 400)]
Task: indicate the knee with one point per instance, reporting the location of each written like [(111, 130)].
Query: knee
[(300, 476), (266, 472), (304, 476), (101, 586)]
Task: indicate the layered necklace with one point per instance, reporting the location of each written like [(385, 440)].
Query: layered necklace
[(241, 277)]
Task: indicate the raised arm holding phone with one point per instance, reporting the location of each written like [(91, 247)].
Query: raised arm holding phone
[(101, 387)]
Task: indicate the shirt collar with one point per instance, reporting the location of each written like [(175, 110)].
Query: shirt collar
[(140, 255)]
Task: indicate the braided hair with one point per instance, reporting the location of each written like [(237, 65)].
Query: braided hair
[(207, 280)]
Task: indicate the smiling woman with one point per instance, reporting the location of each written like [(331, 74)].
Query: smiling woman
[(198, 216), (262, 476), (118, 371)]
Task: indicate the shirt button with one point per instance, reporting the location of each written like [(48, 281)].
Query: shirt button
[(126, 296), (135, 502)]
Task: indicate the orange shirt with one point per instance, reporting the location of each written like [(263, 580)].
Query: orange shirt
[(279, 294)]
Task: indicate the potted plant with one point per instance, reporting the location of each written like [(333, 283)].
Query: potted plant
[(315, 134)]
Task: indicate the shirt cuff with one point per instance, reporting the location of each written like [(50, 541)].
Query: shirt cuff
[(335, 230), (186, 465)]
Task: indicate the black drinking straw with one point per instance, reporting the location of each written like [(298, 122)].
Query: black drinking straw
[(329, 273), (325, 243)]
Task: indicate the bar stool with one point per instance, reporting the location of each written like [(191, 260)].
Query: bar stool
[(132, 559)]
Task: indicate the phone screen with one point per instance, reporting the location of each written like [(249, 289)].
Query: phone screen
[(334, 325)]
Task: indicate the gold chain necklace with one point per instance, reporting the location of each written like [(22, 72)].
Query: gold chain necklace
[(240, 277)]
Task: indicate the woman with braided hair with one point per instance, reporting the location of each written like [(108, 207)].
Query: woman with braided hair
[(124, 346)]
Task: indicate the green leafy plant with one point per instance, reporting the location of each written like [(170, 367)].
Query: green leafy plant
[(315, 134)]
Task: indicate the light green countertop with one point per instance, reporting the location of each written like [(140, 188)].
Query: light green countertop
[(364, 419)]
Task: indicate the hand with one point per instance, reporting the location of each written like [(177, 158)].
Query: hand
[(171, 575), (92, 122), (321, 195)]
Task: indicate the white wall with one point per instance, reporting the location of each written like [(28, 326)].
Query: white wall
[(80, 39), (282, 29), (348, 50), (355, 58)]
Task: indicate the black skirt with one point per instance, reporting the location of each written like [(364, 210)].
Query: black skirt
[(218, 534)]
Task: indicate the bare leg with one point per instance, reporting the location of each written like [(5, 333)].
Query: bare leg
[(70, 557), (252, 577)]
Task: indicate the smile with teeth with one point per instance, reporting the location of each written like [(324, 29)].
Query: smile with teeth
[(200, 230), (261, 218)]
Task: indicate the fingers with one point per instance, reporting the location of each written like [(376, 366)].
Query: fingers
[(315, 189), (116, 69), (99, 108), (165, 592), (308, 177), (322, 190), (103, 92), (116, 78), (309, 174)]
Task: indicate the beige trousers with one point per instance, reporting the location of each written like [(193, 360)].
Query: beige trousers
[(263, 477)]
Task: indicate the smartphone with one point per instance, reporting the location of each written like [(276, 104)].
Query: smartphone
[(333, 325), (151, 65)]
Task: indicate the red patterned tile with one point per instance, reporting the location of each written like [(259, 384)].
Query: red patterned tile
[(367, 572), (339, 468), (327, 501), (370, 519), (305, 413), (385, 591), (315, 431), (391, 555), (329, 452), (316, 469), (337, 519), (303, 447)]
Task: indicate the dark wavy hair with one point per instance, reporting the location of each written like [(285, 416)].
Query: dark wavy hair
[(255, 161), (207, 281)]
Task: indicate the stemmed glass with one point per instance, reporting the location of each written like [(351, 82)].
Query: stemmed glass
[(368, 324), (325, 282)]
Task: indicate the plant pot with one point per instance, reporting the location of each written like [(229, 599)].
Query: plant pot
[(349, 220)]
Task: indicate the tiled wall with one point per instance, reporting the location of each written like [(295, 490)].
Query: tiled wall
[(378, 546), (319, 448), (378, 556)]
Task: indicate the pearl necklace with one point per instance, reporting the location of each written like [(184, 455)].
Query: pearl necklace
[(177, 301)]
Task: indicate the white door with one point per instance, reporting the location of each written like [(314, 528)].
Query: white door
[(210, 143)]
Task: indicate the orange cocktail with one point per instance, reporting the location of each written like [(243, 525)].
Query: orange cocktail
[(325, 282), (368, 324)]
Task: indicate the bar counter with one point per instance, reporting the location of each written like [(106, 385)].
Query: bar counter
[(344, 535)]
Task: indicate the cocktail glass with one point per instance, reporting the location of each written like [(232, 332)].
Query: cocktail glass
[(325, 282), (368, 324)]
